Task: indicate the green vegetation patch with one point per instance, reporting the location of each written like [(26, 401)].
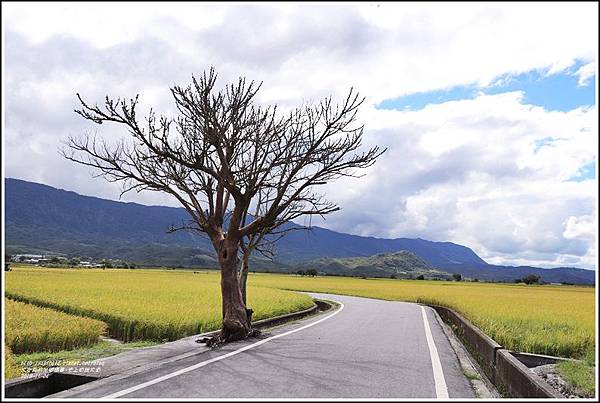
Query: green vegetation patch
[(91, 353), (41, 361), (580, 375)]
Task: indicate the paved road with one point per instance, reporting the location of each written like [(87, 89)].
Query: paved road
[(369, 349)]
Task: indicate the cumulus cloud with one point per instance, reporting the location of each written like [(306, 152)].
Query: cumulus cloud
[(472, 172), (585, 72), (491, 172), (583, 227)]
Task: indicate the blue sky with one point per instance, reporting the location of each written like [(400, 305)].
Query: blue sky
[(586, 172), (560, 91)]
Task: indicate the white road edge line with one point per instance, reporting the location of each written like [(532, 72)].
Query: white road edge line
[(441, 390), (219, 358)]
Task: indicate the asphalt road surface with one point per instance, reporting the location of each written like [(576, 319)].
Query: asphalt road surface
[(368, 349)]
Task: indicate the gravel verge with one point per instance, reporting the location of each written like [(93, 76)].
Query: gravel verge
[(552, 377)]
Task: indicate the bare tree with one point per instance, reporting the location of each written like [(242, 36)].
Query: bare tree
[(219, 156), (263, 241)]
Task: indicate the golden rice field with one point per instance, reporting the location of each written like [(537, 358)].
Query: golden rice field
[(30, 328), (11, 368), (154, 304), (142, 304), (554, 320)]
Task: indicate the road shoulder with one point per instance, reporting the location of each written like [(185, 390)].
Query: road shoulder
[(478, 381)]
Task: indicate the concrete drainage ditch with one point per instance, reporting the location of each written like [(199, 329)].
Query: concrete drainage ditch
[(510, 371), (44, 385)]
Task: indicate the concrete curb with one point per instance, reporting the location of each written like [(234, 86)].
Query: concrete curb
[(535, 360), (480, 345), (268, 322), (264, 323), (507, 370)]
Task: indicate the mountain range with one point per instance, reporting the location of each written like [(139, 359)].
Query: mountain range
[(43, 219)]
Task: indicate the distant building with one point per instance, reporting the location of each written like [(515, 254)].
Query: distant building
[(85, 264), (36, 261), (24, 257)]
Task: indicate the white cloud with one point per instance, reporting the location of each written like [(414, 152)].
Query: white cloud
[(467, 171), (104, 26), (583, 227), (586, 72)]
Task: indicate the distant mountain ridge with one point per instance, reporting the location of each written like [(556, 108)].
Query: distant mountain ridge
[(42, 218), (321, 242), (401, 264)]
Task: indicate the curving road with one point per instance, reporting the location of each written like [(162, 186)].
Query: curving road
[(368, 349)]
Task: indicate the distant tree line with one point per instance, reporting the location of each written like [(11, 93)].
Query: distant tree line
[(529, 279), (61, 261), (309, 272)]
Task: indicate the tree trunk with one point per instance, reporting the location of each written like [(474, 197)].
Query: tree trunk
[(236, 323), (244, 275)]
